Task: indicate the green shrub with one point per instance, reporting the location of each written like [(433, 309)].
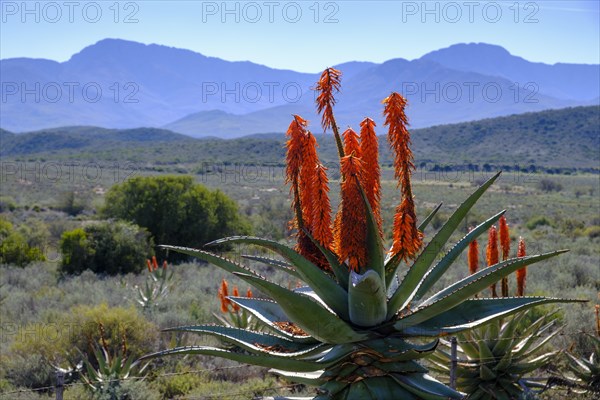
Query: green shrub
[(548, 185), (14, 248), (175, 210), (538, 220), (106, 247), (592, 231), (68, 338), (7, 203)]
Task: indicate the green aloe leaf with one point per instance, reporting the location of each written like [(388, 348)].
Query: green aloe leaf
[(221, 262), (476, 312), (423, 262), (263, 360), (340, 271), (279, 264), (367, 299), (375, 248), (328, 290), (254, 342), (311, 316), (442, 266), (457, 293), (425, 387), (269, 313), (305, 378)]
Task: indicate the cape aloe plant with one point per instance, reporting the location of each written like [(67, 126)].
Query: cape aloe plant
[(494, 359), (587, 370), (355, 329)]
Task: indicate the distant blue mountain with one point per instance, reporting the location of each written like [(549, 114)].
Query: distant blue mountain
[(123, 84)]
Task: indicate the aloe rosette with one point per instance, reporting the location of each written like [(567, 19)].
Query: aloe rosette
[(358, 327)]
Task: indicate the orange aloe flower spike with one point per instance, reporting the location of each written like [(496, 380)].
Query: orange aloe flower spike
[(165, 264), (407, 238), (321, 215), (521, 273), (154, 263), (223, 293), (372, 174), (351, 144), (249, 293), (492, 253), (505, 246), (473, 256), (235, 293), (328, 85), (308, 170), (350, 224), (149, 265)]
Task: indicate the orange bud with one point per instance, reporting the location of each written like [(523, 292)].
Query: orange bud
[(473, 256), (154, 263), (165, 264), (521, 273), (492, 253), (149, 265), (223, 293), (249, 293), (236, 293)]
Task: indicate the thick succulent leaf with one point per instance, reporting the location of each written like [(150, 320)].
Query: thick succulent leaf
[(307, 313), (533, 364), (367, 299), (476, 312), (221, 262), (254, 342), (305, 378), (263, 360), (275, 263), (467, 287), (269, 312), (507, 336), (375, 250), (417, 271), (340, 271), (442, 266), (425, 387), (328, 290), (538, 346), (385, 388)]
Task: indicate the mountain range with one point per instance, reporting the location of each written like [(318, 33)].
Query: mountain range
[(122, 84), (566, 138)]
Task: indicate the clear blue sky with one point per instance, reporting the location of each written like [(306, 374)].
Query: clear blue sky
[(306, 35)]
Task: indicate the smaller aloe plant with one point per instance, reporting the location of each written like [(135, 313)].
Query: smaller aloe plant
[(157, 285), (233, 315), (587, 370), (494, 359), (112, 370)]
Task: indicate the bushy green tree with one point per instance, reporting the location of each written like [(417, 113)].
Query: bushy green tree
[(14, 247), (175, 210), (106, 247)]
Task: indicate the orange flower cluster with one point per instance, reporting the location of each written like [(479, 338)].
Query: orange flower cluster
[(473, 256), (153, 265), (350, 228), (521, 273), (224, 293), (407, 238), (492, 253), (310, 187), (372, 174), (505, 246), (328, 84), (360, 171)]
